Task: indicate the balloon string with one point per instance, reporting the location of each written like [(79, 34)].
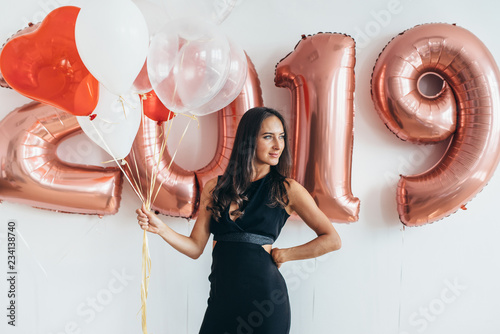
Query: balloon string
[(401, 278), (146, 274), (162, 151), (143, 120), (116, 161), (173, 156)]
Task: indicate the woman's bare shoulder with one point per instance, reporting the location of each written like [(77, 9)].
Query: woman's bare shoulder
[(210, 185)]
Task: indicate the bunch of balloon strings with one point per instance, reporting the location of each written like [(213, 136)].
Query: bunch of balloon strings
[(152, 191)]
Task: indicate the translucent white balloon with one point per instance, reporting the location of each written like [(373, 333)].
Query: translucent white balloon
[(116, 122), (112, 40), (214, 11), (188, 64), (155, 15), (233, 85), (142, 84)]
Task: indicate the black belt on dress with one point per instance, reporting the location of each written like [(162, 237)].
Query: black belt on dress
[(245, 237)]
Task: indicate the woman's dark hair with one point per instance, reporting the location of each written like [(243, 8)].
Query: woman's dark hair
[(238, 174)]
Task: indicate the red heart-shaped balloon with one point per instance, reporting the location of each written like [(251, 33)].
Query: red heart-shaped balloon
[(154, 109), (44, 65)]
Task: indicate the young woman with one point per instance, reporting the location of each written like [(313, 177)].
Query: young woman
[(245, 209)]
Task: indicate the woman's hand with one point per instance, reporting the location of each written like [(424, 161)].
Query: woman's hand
[(278, 256), (148, 220)]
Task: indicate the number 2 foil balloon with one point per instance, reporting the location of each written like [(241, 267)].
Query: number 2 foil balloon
[(31, 172), (466, 109)]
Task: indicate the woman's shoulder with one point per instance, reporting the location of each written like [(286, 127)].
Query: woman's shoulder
[(212, 182), (291, 184), (210, 185), (294, 189)]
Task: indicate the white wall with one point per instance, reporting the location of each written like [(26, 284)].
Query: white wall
[(440, 278)]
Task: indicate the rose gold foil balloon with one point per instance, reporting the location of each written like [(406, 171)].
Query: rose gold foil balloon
[(471, 83), (180, 190), (32, 174), (320, 76)]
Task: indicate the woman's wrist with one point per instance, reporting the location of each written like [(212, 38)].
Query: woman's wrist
[(282, 255)]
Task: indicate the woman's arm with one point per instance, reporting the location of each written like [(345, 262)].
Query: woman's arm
[(191, 246), (327, 239)]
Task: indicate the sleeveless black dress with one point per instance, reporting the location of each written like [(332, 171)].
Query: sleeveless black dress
[(247, 292)]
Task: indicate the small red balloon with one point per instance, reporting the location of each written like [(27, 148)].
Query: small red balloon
[(154, 109), (44, 65)]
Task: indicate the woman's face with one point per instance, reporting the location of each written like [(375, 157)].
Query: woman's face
[(270, 142)]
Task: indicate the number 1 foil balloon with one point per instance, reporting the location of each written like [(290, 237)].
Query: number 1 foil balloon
[(466, 109), (320, 76), (31, 172)]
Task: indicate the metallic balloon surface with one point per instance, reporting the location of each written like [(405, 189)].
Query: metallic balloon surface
[(320, 75), (472, 84), (44, 65), (31, 172), (180, 190)]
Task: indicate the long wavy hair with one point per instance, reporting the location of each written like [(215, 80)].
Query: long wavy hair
[(238, 175)]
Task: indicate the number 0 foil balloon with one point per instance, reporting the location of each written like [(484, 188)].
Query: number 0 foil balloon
[(320, 76), (180, 190), (471, 79), (31, 173)]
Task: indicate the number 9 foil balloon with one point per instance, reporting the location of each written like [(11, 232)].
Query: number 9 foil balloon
[(466, 108)]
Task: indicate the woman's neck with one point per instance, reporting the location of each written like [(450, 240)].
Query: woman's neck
[(259, 173)]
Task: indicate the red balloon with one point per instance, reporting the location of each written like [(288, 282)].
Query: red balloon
[(154, 109), (21, 32), (471, 79), (320, 75), (180, 190), (31, 172), (45, 65)]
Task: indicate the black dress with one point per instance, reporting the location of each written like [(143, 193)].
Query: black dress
[(247, 292)]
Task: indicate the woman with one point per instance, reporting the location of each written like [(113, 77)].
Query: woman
[(245, 209)]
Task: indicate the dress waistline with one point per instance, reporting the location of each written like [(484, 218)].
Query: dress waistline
[(245, 237)]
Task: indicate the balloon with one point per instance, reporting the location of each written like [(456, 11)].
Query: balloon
[(115, 123), (233, 85), (142, 84), (32, 174), (320, 75), (112, 39), (188, 64), (215, 11), (44, 65), (472, 78), (155, 15), (154, 109), (21, 32), (180, 190)]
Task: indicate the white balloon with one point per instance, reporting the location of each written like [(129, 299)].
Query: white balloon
[(116, 122), (112, 40)]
